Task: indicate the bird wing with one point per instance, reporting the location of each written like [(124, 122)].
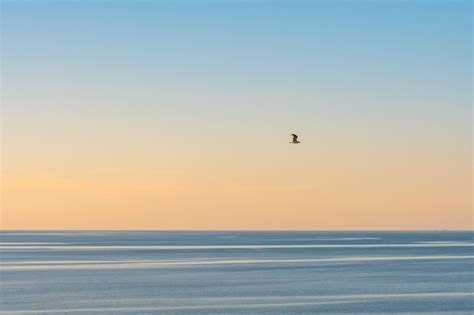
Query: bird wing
[(295, 137)]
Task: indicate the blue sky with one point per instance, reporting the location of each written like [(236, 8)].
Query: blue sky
[(402, 65)]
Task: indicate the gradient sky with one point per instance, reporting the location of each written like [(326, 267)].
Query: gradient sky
[(177, 114)]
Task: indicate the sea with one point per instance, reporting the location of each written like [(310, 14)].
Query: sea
[(236, 272)]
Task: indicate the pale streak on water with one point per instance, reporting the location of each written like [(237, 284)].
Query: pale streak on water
[(230, 272)]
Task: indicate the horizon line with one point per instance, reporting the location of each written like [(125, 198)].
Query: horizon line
[(234, 230)]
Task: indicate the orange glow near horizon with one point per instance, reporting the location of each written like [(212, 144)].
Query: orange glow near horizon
[(332, 193)]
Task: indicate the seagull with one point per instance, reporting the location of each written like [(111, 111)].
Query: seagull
[(295, 139)]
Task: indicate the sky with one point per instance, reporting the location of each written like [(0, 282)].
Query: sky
[(176, 115)]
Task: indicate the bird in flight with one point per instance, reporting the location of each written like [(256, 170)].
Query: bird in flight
[(295, 139)]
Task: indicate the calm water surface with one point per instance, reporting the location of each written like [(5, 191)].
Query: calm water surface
[(236, 272)]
